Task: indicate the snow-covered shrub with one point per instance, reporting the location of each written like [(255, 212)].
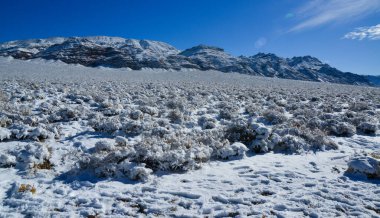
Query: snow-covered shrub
[(160, 131), (136, 115), (105, 104), (25, 110), (173, 152), (175, 116), (315, 138), (252, 110), (133, 127), (65, 114), (207, 122), (366, 165), (33, 154), (32, 120), (109, 112), (7, 160), (226, 113), (236, 150), (368, 127), (4, 134), (261, 143), (5, 121), (3, 97), (314, 123), (359, 106), (341, 129), (105, 124), (240, 131), (39, 134), (149, 110), (135, 171), (22, 131), (114, 163), (121, 141), (103, 145), (274, 116), (227, 110), (291, 144), (175, 104)]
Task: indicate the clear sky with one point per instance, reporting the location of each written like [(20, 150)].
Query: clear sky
[(343, 33)]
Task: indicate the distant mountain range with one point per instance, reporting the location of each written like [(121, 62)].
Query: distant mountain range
[(118, 52)]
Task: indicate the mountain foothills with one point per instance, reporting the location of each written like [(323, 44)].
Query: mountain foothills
[(118, 52)]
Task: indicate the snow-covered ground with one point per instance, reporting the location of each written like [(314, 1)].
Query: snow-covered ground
[(78, 141)]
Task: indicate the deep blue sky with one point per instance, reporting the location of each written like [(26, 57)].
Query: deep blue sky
[(243, 27)]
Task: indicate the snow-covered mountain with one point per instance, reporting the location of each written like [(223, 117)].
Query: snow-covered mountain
[(118, 52)]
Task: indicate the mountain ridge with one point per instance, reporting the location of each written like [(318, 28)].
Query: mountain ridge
[(118, 52)]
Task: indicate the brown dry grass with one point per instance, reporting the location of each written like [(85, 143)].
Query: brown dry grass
[(46, 165), (27, 188)]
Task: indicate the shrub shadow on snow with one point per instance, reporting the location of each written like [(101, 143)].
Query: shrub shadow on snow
[(358, 177), (88, 134), (87, 178)]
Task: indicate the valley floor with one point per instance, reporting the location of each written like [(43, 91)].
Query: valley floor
[(267, 184)]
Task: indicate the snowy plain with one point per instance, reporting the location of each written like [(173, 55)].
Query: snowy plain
[(85, 142)]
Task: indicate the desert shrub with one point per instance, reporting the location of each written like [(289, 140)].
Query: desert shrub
[(281, 102), (314, 123), (368, 128), (227, 110), (174, 152), (25, 110), (240, 131), (121, 141), (113, 163), (102, 145), (32, 155), (274, 116), (360, 117), (297, 140), (359, 106), (227, 113), (340, 129), (4, 134), (109, 112), (207, 122), (160, 131), (175, 104), (316, 139), (7, 160), (291, 144), (136, 115), (32, 120), (3, 96), (236, 150), (252, 110), (175, 116), (65, 115), (5, 121), (106, 124), (27, 188), (149, 110), (262, 143), (21, 131), (133, 127), (45, 165)]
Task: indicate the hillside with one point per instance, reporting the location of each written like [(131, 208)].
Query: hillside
[(118, 52)]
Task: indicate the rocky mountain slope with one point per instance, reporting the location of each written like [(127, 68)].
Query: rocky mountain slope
[(118, 52)]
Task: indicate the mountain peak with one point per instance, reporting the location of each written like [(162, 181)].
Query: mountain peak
[(201, 49)]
